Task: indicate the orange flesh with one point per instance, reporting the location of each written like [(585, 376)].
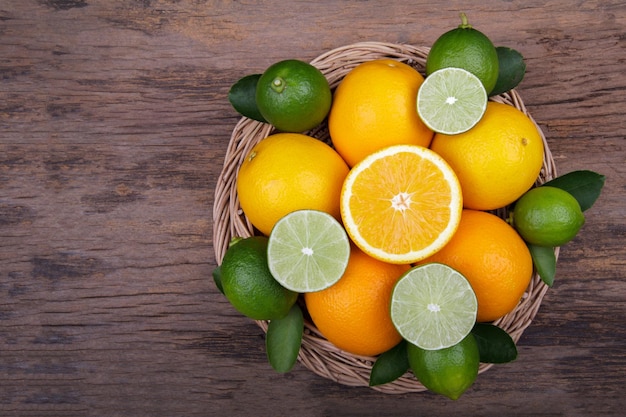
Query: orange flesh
[(401, 203)]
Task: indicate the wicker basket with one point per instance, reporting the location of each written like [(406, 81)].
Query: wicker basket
[(317, 353)]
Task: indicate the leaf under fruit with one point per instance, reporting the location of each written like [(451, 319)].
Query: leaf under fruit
[(217, 277), (284, 339), (584, 185), (494, 344), (511, 70), (544, 260), (242, 96), (390, 365)]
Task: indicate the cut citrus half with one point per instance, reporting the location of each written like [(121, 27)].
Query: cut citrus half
[(401, 204), (308, 250), (433, 306), (451, 100)]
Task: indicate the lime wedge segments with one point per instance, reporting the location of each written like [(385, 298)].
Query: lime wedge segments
[(433, 306), (308, 251), (451, 101)]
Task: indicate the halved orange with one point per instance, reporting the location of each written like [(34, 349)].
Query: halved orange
[(401, 204)]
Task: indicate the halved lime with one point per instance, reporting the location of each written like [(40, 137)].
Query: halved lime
[(433, 306), (308, 251), (451, 100)]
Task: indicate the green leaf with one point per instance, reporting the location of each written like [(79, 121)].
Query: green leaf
[(584, 185), (511, 70), (217, 277), (242, 96), (283, 340), (544, 260), (390, 365), (494, 344)]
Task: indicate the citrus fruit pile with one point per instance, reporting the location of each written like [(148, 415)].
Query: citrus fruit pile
[(385, 236)]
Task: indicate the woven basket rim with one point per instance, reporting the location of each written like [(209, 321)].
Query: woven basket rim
[(317, 354)]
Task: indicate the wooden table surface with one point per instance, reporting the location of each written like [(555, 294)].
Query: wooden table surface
[(114, 122)]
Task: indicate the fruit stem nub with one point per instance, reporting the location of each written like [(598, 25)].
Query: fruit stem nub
[(278, 84), (464, 22), (234, 241)]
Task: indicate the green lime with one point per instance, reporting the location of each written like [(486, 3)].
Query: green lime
[(450, 371), (467, 48), (547, 216), (308, 251), (293, 95), (451, 101), (248, 283), (433, 306)]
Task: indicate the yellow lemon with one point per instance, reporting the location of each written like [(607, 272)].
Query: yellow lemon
[(286, 172), (496, 161)]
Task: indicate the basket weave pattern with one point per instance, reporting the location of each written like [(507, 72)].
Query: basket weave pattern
[(317, 354)]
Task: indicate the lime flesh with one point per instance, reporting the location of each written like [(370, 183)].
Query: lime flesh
[(433, 306), (308, 251), (451, 101)]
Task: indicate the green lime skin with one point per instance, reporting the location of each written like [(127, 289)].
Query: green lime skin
[(293, 95), (248, 283), (449, 371), (467, 48), (547, 216)]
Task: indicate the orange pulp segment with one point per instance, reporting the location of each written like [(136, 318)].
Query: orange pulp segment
[(401, 204)]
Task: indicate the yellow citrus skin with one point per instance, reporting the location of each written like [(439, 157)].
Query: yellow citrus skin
[(286, 172), (354, 314), (373, 107), (496, 161), (493, 258)]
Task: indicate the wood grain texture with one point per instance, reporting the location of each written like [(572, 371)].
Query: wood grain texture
[(114, 121)]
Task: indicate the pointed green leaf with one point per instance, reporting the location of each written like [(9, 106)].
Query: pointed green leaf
[(544, 260), (217, 277), (390, 365), (494, 344), (283, 340), (242, 96), (511, 70), (584, 185)]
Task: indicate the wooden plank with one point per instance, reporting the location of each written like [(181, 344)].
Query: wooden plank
[(113, 128)]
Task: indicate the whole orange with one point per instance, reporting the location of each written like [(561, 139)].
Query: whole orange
[(353, 314), (496, 161), (286, 172), (374, 106), (493, 258)]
